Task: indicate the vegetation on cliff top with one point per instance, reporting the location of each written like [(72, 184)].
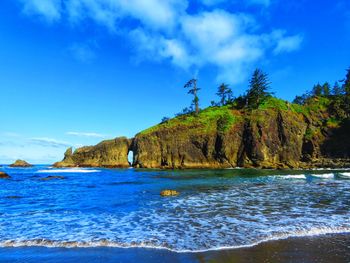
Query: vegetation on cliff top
[(330, 103)]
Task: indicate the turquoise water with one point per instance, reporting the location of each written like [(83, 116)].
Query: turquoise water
[(216, 209)]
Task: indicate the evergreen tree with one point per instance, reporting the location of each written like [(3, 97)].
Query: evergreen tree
[(225, 94), (337, 90), (346, 85), (317, 90), (193, 89), (326, 89), (258, 89), (346, 90)]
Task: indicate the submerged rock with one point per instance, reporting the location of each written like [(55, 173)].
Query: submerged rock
[(13, 197), (51, 177), (21, 163), (109, 153), (4, 175), (169, 193)]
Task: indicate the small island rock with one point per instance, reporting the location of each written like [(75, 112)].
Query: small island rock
[(21, 163), (4, 175), (169, 193)]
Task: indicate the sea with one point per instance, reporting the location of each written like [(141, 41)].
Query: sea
[(43, 208)]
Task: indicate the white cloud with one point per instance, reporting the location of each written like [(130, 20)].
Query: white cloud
[(288, 44), (86, 134), (166, 30)]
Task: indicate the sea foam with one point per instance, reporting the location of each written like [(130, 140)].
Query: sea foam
[(71, 170)]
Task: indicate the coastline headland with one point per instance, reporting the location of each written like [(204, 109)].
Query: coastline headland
[(277, 135)]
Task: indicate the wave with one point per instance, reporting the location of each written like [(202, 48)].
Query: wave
[(293, 176), (70, 170), (346, 175), (323, 176), (149, 245)]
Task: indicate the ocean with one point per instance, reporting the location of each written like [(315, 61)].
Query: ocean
[(108, 211)]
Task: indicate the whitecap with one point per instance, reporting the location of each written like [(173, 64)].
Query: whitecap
[(323, 176), (346, 175), (293, 176), (72, 170)]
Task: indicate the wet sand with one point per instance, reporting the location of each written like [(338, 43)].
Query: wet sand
[(328, 248)]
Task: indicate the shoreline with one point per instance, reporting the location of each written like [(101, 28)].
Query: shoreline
[(322, 248)]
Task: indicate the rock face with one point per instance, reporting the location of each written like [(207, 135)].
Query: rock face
[(21, 163), (262, 139), (4, 175), (110, 153)]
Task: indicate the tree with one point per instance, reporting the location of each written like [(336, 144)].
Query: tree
[(193, 89), (346, 90), (225, 94), (258, 89), (326, 89), (317, 90), (346, 85), (337, 90), (165, 119)]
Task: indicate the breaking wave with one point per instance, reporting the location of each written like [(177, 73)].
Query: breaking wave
[(107, 243)]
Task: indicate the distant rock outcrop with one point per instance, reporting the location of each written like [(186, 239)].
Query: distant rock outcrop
[(109, 153), (21, 163)]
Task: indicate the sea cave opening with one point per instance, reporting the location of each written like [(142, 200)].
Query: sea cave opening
[(131, 157)]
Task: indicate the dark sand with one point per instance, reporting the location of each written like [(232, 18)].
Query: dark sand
[(329, 248)]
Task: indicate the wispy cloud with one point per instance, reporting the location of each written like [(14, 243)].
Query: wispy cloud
[(288, 44), (83, 52), (167, 31), (10, 134), (86, 134), (48, 9), (49, 142)]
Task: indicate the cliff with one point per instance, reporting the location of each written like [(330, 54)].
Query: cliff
[(109, 153), (277, 134)]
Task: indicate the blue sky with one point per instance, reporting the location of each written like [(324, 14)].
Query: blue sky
[(75, 72)]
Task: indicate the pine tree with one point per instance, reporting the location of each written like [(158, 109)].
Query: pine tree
[(337, 90), (346, 85), (317, 90), (193, 89), (258, 89), (225, 94), (326, 89)]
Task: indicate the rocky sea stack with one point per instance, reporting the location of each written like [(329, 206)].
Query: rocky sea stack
[(21, 163), (109, 153), (277, 134)]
